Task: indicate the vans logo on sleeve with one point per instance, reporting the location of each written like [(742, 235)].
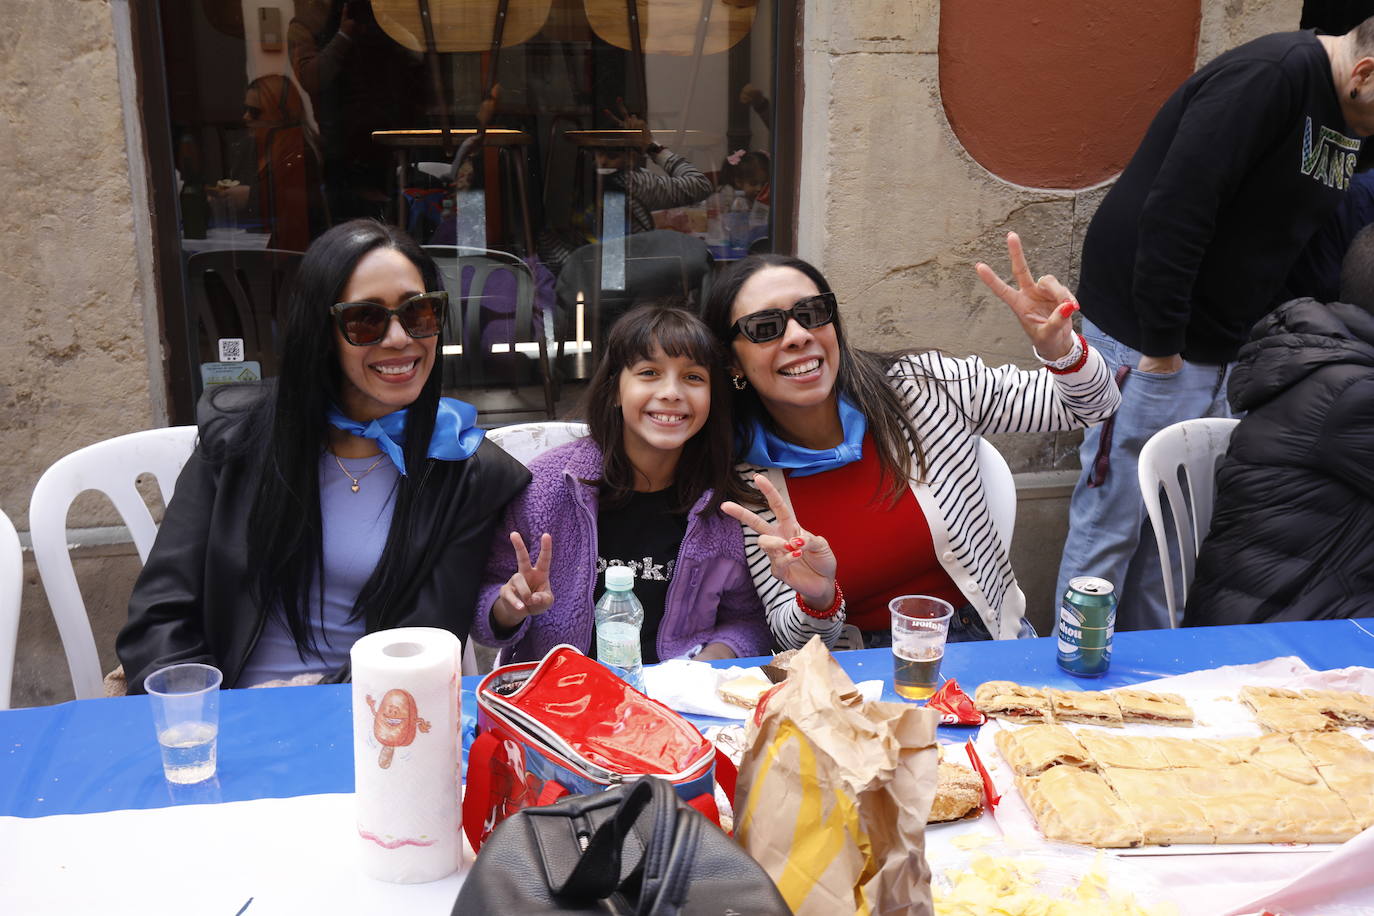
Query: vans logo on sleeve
[(1332, 159)]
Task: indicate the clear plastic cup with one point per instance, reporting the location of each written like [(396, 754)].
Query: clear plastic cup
[(920, 624), (185, 703)]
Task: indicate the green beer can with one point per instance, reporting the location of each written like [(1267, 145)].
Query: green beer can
[(1087, 619)]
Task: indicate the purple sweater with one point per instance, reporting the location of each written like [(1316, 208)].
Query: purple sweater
[(711, 597)]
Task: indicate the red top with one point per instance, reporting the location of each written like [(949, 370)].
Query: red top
[(882, 551)]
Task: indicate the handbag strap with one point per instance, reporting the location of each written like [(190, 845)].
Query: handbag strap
[(597, 873), (477, 793)]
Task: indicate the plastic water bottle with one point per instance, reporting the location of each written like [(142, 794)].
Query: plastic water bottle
[(737, 226), (619, 616)]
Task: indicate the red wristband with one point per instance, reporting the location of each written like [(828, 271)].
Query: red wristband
[(1082, 360), (828, 612)]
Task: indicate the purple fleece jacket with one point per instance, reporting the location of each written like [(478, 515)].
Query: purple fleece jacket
[(711, 597)]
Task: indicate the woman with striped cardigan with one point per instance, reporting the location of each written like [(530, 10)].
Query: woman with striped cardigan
[(868, 464)]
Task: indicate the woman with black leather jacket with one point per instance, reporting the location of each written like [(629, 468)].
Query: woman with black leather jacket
[(346, 497)]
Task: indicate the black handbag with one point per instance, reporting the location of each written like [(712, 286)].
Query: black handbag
[(633, 850)]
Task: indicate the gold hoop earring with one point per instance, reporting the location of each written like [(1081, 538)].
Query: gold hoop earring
[(739, 381)]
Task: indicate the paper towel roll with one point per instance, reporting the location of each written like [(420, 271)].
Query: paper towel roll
[(406, 720)]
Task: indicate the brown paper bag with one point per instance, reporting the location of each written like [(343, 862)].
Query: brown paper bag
[(834, 793)]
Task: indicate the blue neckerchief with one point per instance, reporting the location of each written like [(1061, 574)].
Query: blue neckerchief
[(455, 434), (767, 450)]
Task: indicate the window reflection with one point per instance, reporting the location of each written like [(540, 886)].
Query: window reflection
[(620, 151)]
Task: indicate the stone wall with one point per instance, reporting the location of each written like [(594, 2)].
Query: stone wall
[(896, 212), (74, 361)]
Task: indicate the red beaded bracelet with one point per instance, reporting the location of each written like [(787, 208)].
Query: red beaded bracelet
[(1079, 364), (828, 612)]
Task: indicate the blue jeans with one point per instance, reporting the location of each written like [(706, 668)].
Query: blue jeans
[(1109, 533), (964, 626)]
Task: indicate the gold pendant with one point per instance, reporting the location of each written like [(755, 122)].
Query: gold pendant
[(354, 488)]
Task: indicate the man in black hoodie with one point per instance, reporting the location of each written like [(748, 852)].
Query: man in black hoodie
[(1242, 164), (1292, 535)]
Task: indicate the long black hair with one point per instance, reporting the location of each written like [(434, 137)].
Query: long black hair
[(862, 377), (706, 461), (283, 436)]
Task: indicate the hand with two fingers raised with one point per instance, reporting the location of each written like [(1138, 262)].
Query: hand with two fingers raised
[(526, 593), (1044, 307), (797, 557)]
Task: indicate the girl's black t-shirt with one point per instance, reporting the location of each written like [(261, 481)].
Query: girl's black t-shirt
[(644, 534)]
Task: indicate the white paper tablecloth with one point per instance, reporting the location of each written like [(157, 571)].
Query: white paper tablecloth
[(290, 855)]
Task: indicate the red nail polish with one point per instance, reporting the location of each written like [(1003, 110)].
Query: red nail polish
[(796, 554)]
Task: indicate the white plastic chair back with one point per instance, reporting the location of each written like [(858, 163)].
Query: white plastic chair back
[(527, 441), (11, 592), (1193, 447), (524, 442), (999, 486), (112, 467)]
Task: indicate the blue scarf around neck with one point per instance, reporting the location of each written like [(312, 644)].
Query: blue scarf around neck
[(766, 449), (456, 435)]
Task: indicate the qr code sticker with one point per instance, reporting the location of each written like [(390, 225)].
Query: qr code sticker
[(231, 349)]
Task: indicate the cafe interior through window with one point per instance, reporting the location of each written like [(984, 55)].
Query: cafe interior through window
[(563, 159)]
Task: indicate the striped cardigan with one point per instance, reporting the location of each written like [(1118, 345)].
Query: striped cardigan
[(951, 402)]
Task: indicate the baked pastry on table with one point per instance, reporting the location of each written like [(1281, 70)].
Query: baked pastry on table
[(1077, 806), (958, 794), (1013, 702), (1034, 749), (1134, 753), (1347, 768), (1088, 707), (1344, 707), (1279, 710), (1148, 708)]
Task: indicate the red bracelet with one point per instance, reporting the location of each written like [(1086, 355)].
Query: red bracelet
[(828, 612), (1082, 360)]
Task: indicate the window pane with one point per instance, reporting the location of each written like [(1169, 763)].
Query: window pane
[(289, 116)]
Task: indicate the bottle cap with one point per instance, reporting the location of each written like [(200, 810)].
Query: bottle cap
[(620, 578)]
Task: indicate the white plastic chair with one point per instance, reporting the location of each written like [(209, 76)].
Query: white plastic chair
[(1194, 447), (11, 593), (999, 486), (112, 467), (527, 441)]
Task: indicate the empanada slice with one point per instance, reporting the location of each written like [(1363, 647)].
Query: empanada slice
[(1347, 768), (1324, 815), (1077, 806), (1344, 707), (1276, 753), (1013, 702), (1152, 708), (1089, 707), (1196, 752), (1279, 710), (1165, 816), (958, 794), (1240, 802), (1133, 752), (1035, 748)]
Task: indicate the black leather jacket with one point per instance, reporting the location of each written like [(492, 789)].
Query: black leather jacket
[(192, 601)]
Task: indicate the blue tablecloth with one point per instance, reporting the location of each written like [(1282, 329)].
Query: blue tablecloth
[(100, 755)]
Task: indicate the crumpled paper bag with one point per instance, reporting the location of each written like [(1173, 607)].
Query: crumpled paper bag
[(834, 791)]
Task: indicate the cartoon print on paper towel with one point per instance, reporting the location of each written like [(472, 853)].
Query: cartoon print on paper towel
[(394, 722)]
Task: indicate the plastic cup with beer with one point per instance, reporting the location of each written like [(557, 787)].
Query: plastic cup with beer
[(185, 703), (920, 624)]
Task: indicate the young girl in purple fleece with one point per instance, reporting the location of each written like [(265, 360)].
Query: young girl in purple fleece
[(642, 490)]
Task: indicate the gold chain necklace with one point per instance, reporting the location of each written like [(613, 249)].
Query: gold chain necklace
[(357, 481)]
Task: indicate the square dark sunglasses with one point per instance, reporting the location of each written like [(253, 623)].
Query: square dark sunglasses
[(365, 323), (811, 313)]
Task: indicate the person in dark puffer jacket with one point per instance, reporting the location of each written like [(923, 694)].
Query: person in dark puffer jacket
[(1292, 536)]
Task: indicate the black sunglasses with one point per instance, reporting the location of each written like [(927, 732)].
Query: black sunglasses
[(811, 313), (365, 323)]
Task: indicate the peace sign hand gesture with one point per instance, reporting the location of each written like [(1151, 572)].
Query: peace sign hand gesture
[(1045, 307), (797, 557), (527, 592)]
